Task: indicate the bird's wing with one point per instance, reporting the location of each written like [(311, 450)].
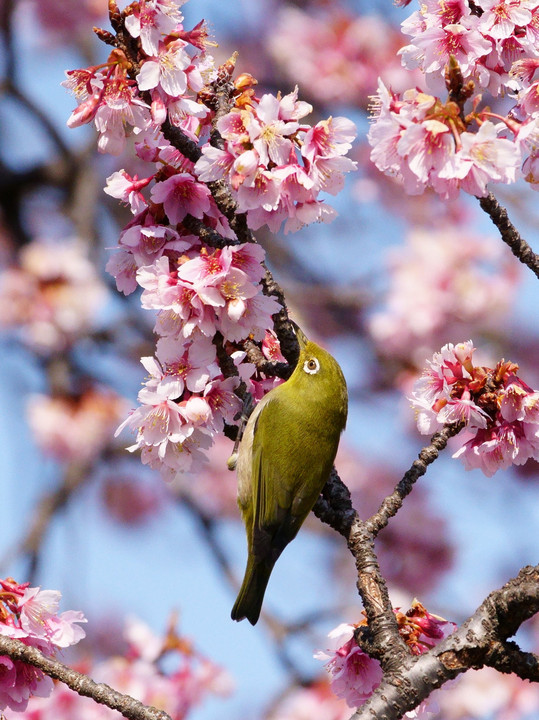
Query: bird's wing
[(284, 481)]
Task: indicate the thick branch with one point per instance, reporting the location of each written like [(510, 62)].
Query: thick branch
[(510, 235), (475, 644), (507, 657), (334, 506), (382, 640), (81, 684)]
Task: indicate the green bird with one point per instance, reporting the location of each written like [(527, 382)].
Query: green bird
[(284, 460)]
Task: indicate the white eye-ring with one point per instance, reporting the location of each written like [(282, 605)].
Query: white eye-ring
[(311, 366)]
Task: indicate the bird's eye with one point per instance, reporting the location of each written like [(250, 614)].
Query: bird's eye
[(311, 366)]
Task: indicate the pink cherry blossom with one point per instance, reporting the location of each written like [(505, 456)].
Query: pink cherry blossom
[(275, 166), (151, 19), (256, 312), (53, 297), (167, 70), (259, 191), (126, 188), (248, 257), (224, 403), (429, 145), (31, 615), (182, 195), (184, 366), (269, 133), (214, 164), (329, 138), (272, 348), (159, 283), (336, 55), (498, 410), (85, 111), (414, 141), (354, 675), (123, 268), (147, 241), (483, 157), (75, 428), (500, 18), (158, 421), (462, 41), (460, 292), (120, 105), (207, 268)]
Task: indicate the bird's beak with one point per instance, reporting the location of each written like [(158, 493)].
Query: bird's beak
[(302, 339)]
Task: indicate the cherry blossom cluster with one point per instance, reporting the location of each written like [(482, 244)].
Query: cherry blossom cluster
[(186, 400), (275, 164), (470, 284), (30, 615), (354, 675), (169, 75), (63, 19), (308, 701), (489, 694), (474, 48), (189, 678), (278, 166), (499, 411)]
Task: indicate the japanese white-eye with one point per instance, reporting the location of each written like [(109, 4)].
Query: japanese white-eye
[(284, 460)]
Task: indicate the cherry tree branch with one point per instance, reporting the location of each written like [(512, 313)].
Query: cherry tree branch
[(481, 641), (382, 639), (79, 683), (392, 503), (477, 643), (510, 235)]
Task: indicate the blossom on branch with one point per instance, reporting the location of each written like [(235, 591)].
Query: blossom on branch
[(354, 675), (167, 672), (53, 298), (277, 166), (498, 410), (470, 284), (31, 616), (335, 56), (461, 143), (208, 296)]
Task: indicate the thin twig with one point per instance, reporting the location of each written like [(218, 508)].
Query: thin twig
[(510, 235), (392, 503), (81, 684)]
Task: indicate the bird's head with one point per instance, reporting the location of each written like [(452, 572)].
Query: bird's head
[(319, 372)]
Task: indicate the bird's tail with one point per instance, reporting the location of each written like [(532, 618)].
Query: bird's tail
[(249, 601)]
